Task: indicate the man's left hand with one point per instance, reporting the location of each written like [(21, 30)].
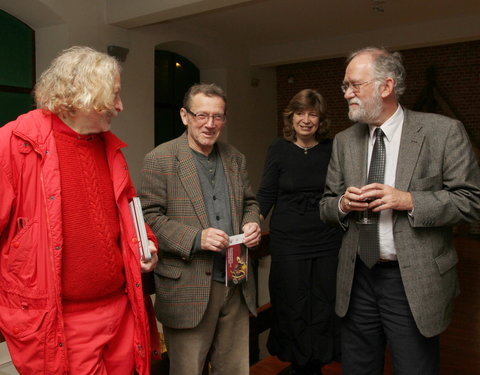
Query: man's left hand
[(252, 234), (386, 197), (149, 265)]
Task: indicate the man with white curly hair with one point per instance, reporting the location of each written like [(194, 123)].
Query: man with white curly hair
[(71, 297)]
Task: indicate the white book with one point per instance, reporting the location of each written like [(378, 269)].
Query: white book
[(139, 224)]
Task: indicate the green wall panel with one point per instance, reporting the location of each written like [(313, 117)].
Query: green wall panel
[(13, 104), (17, 60), (16, 52)]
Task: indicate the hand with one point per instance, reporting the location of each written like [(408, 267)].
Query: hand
[(352, 201), (386, 197), (149, 265), (213, 239), (252, 234)]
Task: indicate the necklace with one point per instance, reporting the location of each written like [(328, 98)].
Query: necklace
[(305, 149)]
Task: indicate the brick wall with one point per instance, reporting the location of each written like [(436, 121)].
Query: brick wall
[(457, 82), (457, 69), (325, 76)]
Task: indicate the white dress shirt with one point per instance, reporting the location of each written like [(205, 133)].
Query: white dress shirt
[(392, 129)]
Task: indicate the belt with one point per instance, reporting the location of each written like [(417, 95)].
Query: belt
[(384, 263)]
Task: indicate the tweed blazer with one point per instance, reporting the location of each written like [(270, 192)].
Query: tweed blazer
[(437, 166), (174, 207)]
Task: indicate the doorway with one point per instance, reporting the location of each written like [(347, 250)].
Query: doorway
[(174, 74)]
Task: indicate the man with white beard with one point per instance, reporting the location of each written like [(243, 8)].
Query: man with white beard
[(397, 182)]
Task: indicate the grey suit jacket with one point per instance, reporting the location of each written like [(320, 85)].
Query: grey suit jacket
[(437, 165), (174, 208)]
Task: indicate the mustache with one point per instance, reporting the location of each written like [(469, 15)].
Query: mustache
[(354, 101)]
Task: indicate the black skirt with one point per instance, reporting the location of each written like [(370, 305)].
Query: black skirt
[(305, 329)]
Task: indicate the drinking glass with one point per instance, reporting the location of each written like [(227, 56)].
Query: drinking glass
[(367, 216)]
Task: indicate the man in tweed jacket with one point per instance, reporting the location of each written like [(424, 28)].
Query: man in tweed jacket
[(195, 194), (432, 181)]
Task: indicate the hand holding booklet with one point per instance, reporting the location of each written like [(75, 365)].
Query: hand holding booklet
[(139, 224), (236, 261)]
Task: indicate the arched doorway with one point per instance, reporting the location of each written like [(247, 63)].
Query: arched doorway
[(174, 74)]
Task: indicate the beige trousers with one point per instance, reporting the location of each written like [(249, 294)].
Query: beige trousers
[(222, 334)]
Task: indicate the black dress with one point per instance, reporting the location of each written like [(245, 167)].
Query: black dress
[(304, 254)]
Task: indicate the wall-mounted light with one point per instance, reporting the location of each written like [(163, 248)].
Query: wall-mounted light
[(378, 6), (120, 53), (178, 65), (291, 79)]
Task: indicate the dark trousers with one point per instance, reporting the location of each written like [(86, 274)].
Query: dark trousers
[(379, 314)]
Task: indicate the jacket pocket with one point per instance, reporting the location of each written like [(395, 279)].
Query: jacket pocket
[(18, 323), (168, 271), (22, 244), (446, 261)]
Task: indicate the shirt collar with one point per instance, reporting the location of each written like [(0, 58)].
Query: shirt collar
[(212, 156), (390, 126), (59, 126)]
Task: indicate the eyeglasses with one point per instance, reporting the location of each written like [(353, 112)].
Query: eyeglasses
[(354, 86), (204, 117)]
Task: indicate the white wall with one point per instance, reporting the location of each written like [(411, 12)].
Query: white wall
[(251, 110), (4, 357), (251, 122)]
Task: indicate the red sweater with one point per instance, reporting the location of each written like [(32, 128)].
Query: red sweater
[(92, 264)]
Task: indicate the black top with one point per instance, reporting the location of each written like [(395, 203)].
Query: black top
[(293, 182)]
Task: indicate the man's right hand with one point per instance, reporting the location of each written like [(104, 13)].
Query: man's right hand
[(351, 200), (214, 239)]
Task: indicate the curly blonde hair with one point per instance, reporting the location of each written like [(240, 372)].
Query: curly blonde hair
[(79, 78)]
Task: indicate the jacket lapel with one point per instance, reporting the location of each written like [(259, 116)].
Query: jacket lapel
[(231, 174), (188, 175), (359, 156), (410, 146)]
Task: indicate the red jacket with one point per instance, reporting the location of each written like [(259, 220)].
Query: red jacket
[(31, 247)]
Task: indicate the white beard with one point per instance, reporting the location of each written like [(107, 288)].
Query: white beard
[(368, 110)]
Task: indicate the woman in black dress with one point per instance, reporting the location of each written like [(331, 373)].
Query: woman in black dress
[(305, 330)]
